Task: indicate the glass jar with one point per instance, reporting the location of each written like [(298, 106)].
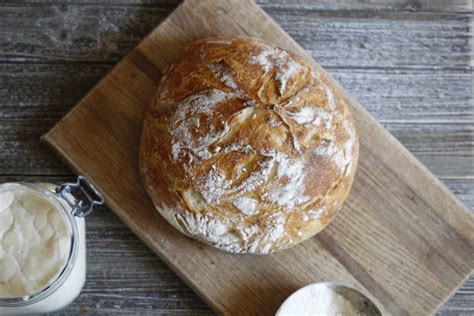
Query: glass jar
[(74, 201)]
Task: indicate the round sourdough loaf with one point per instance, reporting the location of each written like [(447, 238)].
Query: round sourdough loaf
[(245, 147)]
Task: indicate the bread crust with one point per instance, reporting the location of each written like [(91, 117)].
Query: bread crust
[(245, 147)]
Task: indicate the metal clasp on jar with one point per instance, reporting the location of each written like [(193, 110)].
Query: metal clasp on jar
[(81, 196)]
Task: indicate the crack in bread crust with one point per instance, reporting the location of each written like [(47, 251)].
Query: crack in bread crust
[(247, 148)]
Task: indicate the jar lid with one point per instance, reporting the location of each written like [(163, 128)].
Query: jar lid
[(85, 196)]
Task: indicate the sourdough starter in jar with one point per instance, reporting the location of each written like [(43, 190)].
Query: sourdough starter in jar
[(36, 241), (42, 250)]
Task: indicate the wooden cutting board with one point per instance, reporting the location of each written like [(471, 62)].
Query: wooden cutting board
[(401, 237)]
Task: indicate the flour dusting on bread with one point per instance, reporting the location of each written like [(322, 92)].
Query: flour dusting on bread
[(276, 58), (246, 147)]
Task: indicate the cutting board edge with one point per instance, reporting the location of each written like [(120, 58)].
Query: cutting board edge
[(448, 297)]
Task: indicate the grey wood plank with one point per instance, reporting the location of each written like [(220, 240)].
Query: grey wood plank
[(375, 5), (379, 39), (63, 32), (423, 96), (391, 5), (336, 38), (391, 95)]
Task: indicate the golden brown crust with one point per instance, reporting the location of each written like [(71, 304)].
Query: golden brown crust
[(247, 148)]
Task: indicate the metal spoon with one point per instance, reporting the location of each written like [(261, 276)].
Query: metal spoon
[(308, 301)]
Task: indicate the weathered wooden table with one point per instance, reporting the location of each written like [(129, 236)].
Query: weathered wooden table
[(408, 62)]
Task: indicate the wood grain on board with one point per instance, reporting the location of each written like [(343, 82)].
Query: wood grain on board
[(401, 237)]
